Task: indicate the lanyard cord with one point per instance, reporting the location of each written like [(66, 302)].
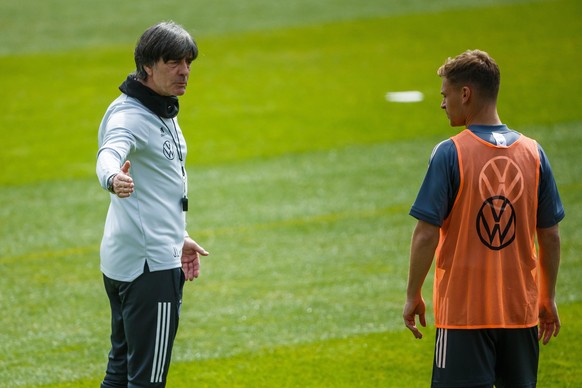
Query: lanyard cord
[(176, 142)]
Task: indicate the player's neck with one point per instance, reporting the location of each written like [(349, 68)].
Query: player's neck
[(486, 115)]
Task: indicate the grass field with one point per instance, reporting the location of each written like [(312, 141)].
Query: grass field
[(301, 175)]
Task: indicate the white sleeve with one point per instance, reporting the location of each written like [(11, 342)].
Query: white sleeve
[(117, 143), (108, 163)]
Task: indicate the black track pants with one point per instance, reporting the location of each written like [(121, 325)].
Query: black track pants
[(144, 322)]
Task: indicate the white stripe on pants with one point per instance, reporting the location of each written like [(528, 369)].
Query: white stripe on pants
[(162, 334), (440, 352)]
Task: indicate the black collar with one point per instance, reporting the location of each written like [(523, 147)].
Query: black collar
[(164, 106)]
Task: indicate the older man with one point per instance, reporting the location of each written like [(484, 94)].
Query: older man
[(146, 253)]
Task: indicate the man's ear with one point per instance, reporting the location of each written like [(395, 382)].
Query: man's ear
[(466, 93), (149, 70)]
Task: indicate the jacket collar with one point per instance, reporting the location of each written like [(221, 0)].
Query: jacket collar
[(164, 106)]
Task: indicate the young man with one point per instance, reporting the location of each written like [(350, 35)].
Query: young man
[(146, 254), (488, 193)]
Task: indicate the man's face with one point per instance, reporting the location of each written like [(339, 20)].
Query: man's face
[(169, 78), (453, 98)]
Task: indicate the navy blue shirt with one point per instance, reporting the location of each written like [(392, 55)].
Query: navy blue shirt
[(441, 183)]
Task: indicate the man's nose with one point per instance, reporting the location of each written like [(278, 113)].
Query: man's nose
[(184, 67)]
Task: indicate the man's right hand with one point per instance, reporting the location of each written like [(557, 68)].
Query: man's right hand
[(123, 182), (412, 308)]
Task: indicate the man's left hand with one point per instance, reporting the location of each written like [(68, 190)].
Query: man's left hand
[(191, 252)]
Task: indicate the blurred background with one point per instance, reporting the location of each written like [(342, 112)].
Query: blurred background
[(301, 175)]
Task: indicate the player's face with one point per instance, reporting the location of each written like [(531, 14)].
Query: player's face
[(453, 103), (169, 78)]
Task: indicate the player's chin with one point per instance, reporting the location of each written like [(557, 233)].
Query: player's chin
[(180, 90)]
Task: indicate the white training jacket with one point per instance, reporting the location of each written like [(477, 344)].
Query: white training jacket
[(148, 226)]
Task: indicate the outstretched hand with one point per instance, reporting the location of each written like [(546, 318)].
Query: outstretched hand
[(123, 182), (191, 252)]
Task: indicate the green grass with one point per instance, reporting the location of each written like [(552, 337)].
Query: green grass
[(301, 176), (292, 90), (58, 25), (357, 361)]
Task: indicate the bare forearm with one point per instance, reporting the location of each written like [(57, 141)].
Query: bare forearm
[(549, 260), (424, 243)]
